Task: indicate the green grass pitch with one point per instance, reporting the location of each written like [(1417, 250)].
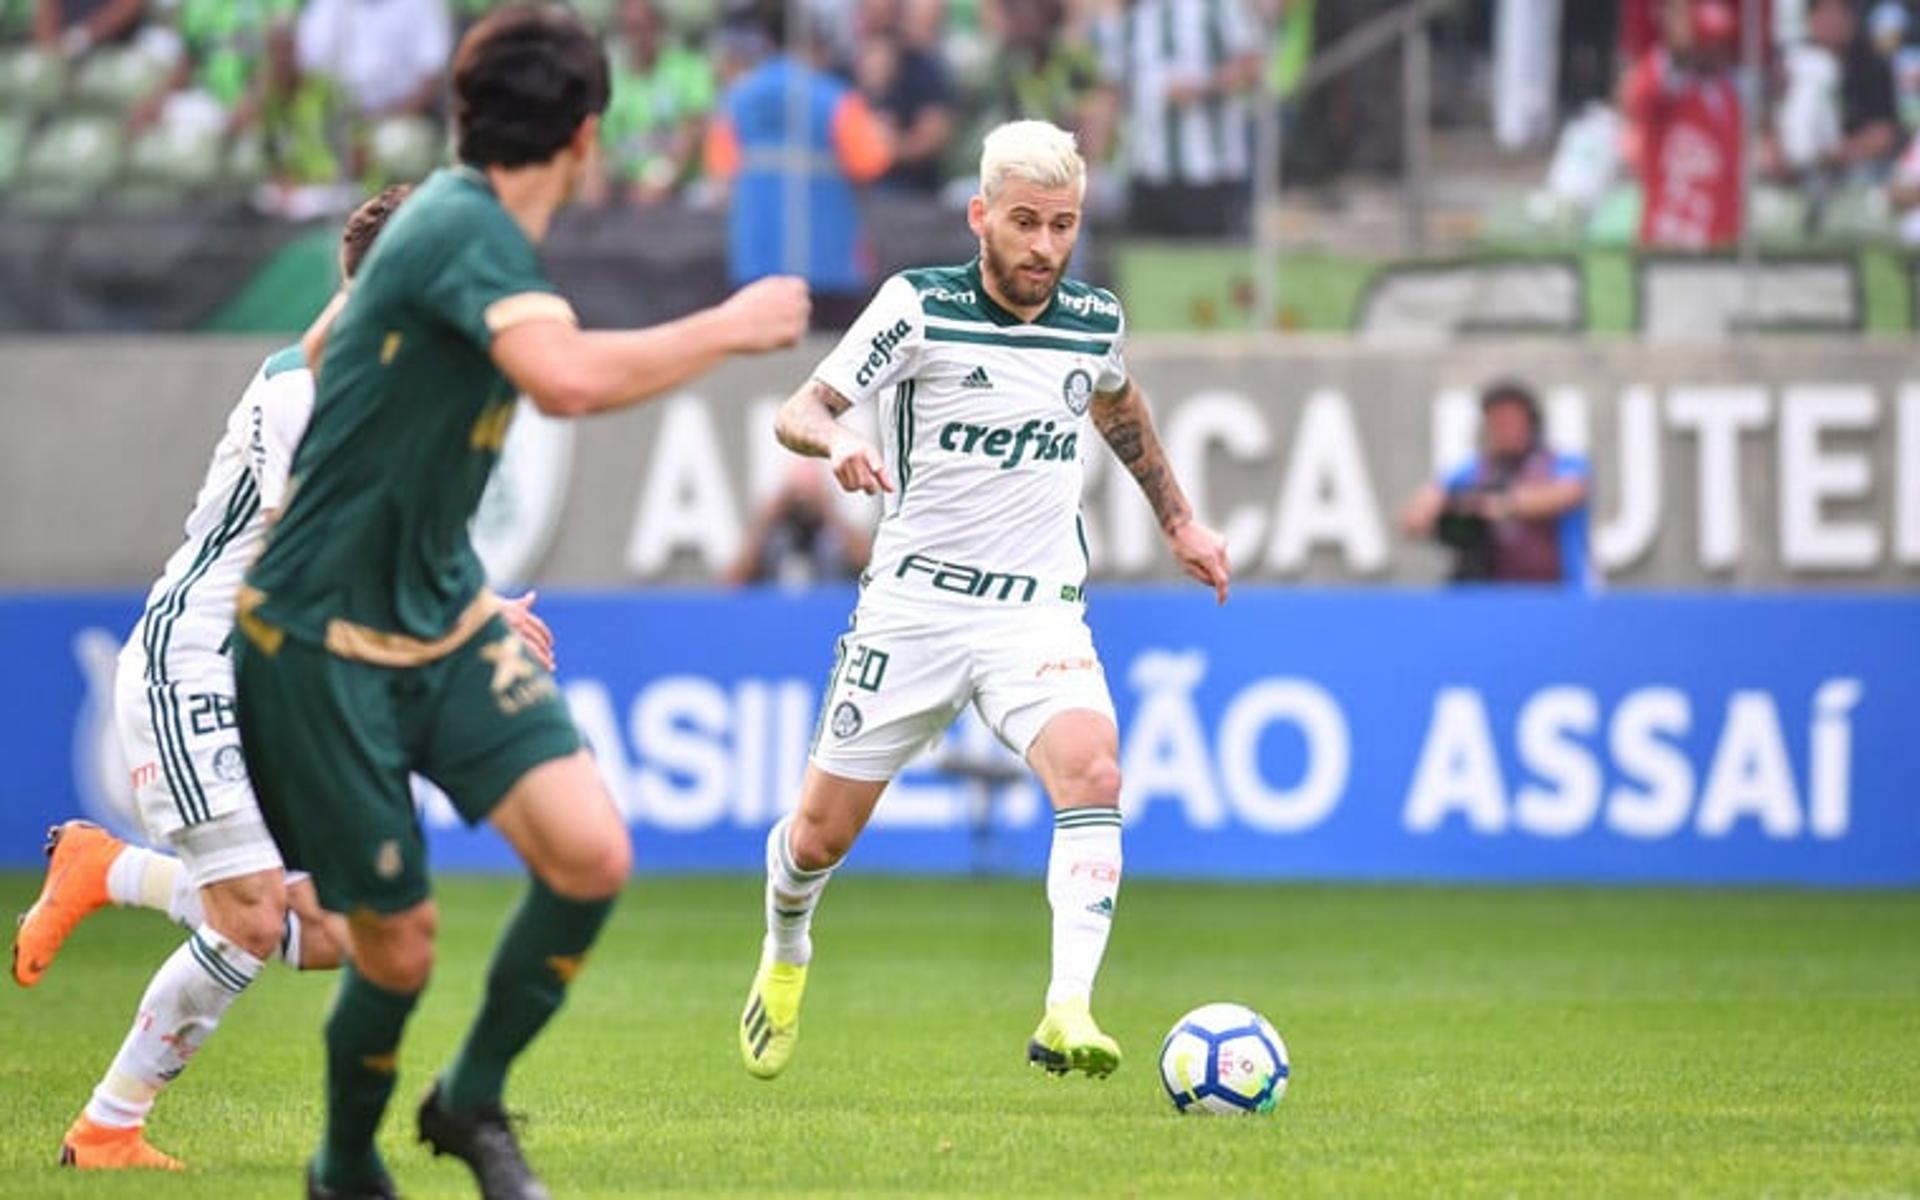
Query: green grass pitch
[(1445, 1041)]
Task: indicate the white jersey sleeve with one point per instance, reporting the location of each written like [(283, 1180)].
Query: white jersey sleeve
[(280, 406), (881, 348)]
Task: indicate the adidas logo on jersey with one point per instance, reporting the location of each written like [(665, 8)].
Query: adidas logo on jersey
[(977, 378)]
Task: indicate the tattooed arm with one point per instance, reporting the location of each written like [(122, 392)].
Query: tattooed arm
[(809, 423), (1123, 420)]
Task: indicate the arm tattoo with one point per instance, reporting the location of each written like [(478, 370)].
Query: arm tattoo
[(835, 402), (805, 422), (1123, 420)]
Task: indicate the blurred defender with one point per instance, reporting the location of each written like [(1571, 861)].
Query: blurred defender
[(372, 648), (174, 712), (986, 375)]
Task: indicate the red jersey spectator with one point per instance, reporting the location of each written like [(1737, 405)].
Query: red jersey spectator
[(1685, 133), (1645, 24)]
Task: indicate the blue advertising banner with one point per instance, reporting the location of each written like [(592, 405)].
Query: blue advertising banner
[(1471, 735)]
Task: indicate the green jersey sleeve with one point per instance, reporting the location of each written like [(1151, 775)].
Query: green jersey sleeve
[(1113, 364), (490, 280)]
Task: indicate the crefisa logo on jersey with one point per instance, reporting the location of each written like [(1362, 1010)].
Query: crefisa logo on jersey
[(1087, 303), (883, 344), (1078, 391)]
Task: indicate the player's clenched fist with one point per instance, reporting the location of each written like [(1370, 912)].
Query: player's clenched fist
[(770, 313), (857, 465)]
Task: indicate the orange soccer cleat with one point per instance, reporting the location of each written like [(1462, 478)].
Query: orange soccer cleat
[(78, 855), (92, 1147)]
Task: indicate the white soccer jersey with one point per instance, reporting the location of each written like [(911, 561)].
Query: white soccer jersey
[(189, 613), (984, 430)]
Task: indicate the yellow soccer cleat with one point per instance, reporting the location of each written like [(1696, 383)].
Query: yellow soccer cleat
[(1068, 1040), (78, 856), (770, 1024), (91, 1147)]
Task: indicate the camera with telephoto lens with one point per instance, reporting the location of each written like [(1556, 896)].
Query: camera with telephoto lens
[(1463, 527)]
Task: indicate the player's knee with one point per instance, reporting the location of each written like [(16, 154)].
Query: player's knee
[(598, 872), (247, 912), (612, 866), (1096, 783), (396, 952), (398, 967), (817, 845), (256, 928)]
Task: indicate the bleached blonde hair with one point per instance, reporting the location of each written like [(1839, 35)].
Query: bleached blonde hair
[(1039, 152)]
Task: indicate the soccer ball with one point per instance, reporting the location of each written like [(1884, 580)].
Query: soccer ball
[(1223, 1058)]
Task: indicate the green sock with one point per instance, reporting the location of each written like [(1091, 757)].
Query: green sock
[(539, 953), (363, 1038)]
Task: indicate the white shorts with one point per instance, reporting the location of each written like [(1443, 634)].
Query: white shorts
[(227, 847), (182, 743), (906, 668)]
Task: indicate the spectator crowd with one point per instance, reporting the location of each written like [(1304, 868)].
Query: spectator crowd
[(306, 104), (1807, 124)]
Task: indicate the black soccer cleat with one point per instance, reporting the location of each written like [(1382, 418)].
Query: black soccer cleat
[(484, 1140), (380, 1189)]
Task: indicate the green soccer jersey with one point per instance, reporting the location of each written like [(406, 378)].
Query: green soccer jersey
[(371, 556), (647, 109)]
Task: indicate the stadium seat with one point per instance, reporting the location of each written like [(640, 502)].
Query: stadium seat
[(403, 150), (1856, 215), (1780, 217), (168, 165), (1615, 220), (115, 78), (71, 162), (30, 80), (1531, 221), (245, 164)]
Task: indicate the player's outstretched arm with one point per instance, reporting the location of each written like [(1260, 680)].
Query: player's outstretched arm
[(569, 372), (1123, 420), (809, 423)]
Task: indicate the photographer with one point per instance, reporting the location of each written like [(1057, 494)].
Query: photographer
[(1514, 513), (799, 538)]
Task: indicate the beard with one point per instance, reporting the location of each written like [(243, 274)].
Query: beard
[(1015, 286)]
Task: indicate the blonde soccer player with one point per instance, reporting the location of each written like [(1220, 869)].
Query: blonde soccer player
[(990, 378)]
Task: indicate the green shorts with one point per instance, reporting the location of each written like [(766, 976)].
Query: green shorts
[(330, 743)]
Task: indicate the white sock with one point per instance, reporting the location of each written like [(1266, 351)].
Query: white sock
[(1083, 879), (791, 897), (182, 1006), (140, 878), (289, 951)]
